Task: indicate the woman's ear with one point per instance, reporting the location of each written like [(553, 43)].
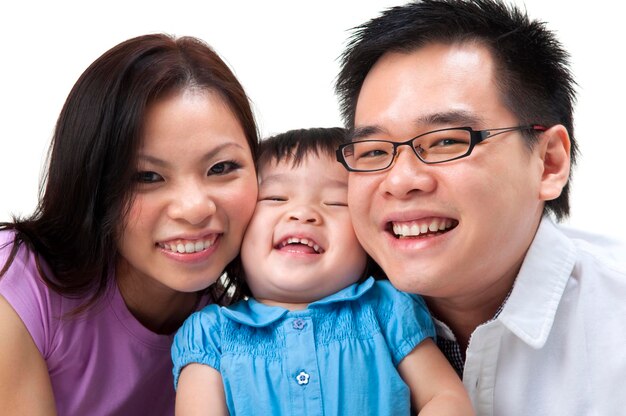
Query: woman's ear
[(554, 147)]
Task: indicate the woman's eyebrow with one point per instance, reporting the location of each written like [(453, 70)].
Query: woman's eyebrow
[(207, 156)]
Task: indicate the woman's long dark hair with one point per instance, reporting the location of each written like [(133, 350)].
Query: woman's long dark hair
[(88, 187)]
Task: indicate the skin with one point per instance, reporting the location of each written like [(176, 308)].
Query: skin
[(198, 180), (197, 184), (309, 200), (435, 388), (305, 201), (23, 371), (494, 198)]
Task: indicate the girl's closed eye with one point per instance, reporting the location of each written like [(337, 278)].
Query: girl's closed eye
[(273, 198), (336, 204), (224, 168)]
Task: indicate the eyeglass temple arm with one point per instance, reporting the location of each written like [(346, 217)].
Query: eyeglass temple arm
[(484, 134)]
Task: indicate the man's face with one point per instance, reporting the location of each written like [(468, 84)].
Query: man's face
[(485, 208)]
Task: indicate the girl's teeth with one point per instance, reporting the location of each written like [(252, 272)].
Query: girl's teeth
[(305, 241)]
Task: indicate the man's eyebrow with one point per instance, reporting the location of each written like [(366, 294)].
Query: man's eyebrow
[(456, 118), (360, 132)]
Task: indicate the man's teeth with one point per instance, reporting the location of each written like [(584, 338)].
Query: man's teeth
[(415, 229), (187, 246), (306, 242)]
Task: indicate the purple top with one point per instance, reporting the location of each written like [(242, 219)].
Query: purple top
[(103, 362)]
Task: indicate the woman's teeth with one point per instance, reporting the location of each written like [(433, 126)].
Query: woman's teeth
[(187, 246)]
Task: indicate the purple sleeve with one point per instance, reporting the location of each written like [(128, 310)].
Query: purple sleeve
[(22, 287)]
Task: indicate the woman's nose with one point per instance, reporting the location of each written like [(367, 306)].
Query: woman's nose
[(193, 204)]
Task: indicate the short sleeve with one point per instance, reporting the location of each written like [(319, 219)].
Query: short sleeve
[(36, 305), (198, 341), (407, 321)]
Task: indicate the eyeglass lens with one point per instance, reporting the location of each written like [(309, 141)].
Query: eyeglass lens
[(437, 146)]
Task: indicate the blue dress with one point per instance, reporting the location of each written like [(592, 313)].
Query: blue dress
[(337, 357)]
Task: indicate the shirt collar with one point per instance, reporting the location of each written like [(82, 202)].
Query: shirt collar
[(253, 313), (530, 310)]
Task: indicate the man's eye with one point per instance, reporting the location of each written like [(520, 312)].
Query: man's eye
[(447, 142), (445, 139), (148, 177), (371, 153), (223, 168)]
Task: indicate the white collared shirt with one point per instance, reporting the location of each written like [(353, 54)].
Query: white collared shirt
[(558, 347)]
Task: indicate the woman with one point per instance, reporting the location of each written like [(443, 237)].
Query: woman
[(150, 186)]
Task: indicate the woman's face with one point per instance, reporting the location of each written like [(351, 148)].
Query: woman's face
[(196, 191)]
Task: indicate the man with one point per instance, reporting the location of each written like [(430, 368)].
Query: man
[(462, 145)]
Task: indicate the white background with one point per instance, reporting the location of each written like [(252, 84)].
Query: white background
[(285, 55)]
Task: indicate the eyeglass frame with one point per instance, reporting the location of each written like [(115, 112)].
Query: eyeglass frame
[(476, 137)]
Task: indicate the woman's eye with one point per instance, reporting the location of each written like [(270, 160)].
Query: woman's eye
[(222, 168), (148, 177)]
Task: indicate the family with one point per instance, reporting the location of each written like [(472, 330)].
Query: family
[(411, 262)]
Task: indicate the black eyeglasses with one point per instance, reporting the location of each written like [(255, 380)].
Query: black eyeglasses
[(436, 146)]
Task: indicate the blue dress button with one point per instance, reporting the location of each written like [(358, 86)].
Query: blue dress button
[(302, 378), (299, 323)]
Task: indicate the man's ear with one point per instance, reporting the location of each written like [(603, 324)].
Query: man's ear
[(554, 150)]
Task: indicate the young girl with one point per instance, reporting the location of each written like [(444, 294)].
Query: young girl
[(319, 336), (150, 186)]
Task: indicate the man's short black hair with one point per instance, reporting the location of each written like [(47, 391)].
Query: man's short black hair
[(532, 68)]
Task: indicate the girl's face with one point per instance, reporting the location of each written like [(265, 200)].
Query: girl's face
[(196, 191), (300, 246)]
